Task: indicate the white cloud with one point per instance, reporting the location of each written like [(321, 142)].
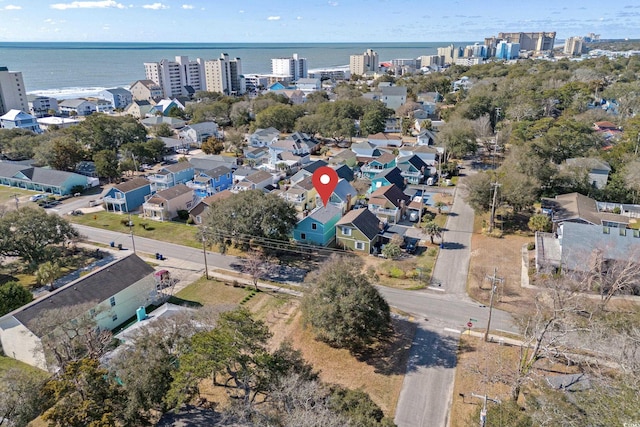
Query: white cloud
[(187, 6), (241, 11), (12, 7), (155, 6), (298, 18), (273, 18), (333, 3), (106, 28), (103, 4)]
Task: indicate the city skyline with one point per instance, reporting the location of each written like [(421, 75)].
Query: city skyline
[(244, 21)]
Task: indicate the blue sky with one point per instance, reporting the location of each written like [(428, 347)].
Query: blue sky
[(254, 21)]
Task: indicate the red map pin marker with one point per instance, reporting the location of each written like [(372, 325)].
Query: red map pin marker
[(325, 180)]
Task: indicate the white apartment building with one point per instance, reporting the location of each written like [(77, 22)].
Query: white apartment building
[(224, 75), (173, 76), (293, 68), (13, 95), (448, 54), (361, 64)]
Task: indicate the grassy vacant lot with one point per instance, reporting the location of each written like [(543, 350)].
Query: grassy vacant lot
[(380, 374), (172, 232)]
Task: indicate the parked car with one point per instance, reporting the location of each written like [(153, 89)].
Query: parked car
[(412, 246), (37, 197)]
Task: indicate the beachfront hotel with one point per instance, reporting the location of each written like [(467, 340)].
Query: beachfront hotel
[(13, 95)]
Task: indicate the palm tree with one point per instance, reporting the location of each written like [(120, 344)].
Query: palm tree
[(439, 205), (433, 230), (47, 273)]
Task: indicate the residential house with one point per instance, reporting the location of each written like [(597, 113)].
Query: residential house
[(41, 179), (319, 227), (164, 106), (203, 163), (257, 180), (40, 106), (264, 137), (388, 203), (388, 177), (413, 168), (197, 133), (308, 85), (174, 145), (597, 170), (392, 125), (115, 292), (289, 152), (16, 119), (382, 139), (345, 157), (302, 195), (127, 196), (344, 196), (138, 108), (302, 138), (307, 170), (118, 97), (146, 90), (199, 212), (365, 150), (212, 181), (170, 175), (359, 230), (77, 107), (57, 122), (173, 122), (576, 207), (425, 137), (255, 156), (393, 96), (295, 96), (102, 106), (164, 205), (583, 247), (429, 155), (378, 164), (344, 172)]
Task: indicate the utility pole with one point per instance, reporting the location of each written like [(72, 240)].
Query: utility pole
[(421, 206), (15, 196), (483, 412), (637, 142), (204, 253), (493, 279), (495, 186), (133, 242)]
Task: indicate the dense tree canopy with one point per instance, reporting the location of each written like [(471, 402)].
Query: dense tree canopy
[(343, 308), (29, 233), (249, 217), (13, 295)]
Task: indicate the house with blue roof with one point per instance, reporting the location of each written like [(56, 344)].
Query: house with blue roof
[(170, 175), (197, 133), (277, 86), (388, 177), (127, 196), (344, 172), (319, 227)]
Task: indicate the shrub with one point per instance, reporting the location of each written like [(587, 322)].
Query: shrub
[(183, 214), (531, 246), (396, 273)]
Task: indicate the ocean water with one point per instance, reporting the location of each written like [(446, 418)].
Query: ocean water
[(67, 70)]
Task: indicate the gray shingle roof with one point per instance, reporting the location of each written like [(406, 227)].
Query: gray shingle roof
[(95, 287), (364, 220), (173, 192), (177, 167), (325, 214), (50, 177), (132, 184)]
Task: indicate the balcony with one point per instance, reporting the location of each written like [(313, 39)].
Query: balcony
[(115, 200), (382, 211), (371, 169), (160, 179)]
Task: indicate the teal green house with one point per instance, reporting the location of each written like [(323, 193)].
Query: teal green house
[(319, 227), (40, 179)]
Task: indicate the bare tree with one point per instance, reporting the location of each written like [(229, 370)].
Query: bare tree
[(70, 333), (259, 266)]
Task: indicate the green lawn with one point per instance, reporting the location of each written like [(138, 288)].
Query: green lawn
[(7, 363), (211, 292), (6, 193), (172, 232)]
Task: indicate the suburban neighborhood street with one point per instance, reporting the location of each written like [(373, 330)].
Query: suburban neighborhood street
[(441, 313)]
